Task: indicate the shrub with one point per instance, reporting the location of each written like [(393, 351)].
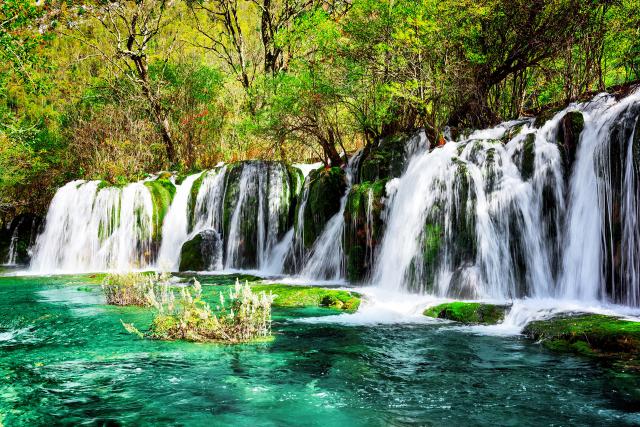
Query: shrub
[(133, 288), (240, 317)]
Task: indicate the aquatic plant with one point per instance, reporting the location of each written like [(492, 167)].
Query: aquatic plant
[(240, 316), (133, 288)]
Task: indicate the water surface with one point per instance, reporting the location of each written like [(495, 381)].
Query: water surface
[(66, 359)]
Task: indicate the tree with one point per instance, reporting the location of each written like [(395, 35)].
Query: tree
[(132, 27)]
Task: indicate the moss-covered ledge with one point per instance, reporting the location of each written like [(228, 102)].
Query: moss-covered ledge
[(469, 313), (589, 334), (311, 296)]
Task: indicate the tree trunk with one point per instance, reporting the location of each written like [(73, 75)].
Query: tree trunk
[(159, 115)]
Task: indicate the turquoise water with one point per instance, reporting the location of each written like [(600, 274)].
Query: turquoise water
[(66, 359)]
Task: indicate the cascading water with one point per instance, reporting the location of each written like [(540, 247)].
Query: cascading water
[(474, 210), (91, 229), (175, 226), (326, 258), (13, 245), (493, 218), (500, 214), (603, 198)]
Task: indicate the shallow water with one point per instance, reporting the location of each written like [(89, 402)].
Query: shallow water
[(66, 359)]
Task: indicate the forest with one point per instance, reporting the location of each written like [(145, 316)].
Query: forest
[(115, 90)]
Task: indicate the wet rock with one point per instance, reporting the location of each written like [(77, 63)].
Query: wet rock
[(201, 252), (569, 131), (326, 188), (363, 227), (470, 313), (589, 334), (23, 231)]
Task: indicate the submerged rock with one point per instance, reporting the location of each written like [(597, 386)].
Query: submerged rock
[(199, 253), (589, 334), (470, 313)]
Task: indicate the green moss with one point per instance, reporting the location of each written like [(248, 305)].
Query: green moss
[(385, 160), (191, 258), (589, 334), (431, 243), (527, 165), (162, 192), (360, 237), (468, 312), (326, 188), (310, 296), (193, 197)]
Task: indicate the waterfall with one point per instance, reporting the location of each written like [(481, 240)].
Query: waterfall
[(509, 212), (326, 258), (175, 226), (90, 229), (590, 235), (465, 218), (13, 245), (207, 213), (490, 216)]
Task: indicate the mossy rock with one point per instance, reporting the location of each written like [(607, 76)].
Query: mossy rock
[(311, 296), (193, 197), (326, 188), (162, 192), (386, 159), (25, 227), (528, 159), (570, 128), (199, 253), (469, 313), (361, 238), (589, 334)]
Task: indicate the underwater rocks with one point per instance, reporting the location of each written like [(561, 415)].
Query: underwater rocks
[(199, 253), (469, 313), (589, 334)]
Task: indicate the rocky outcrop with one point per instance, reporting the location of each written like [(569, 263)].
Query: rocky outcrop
[(388, 156), (469, 313), (589, 334), (162, 191), (326, 187), (17, 238), (363, 227), (199, 253)]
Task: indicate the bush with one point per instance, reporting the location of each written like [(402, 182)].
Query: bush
[(240, 317), (133, 288)]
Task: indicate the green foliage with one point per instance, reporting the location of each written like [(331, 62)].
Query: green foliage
[(261, 80), (468, 312)]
